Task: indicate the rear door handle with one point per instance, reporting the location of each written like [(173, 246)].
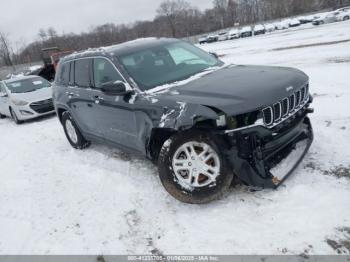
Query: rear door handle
[(98, 99), (70, 94)]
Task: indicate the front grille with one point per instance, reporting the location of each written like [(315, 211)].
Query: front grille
[(286, 107), (268, 117), (297, 99), (277, 112), (42, 107), (303, 91)]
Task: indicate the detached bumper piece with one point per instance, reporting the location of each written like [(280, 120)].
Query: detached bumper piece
[(265, 158)]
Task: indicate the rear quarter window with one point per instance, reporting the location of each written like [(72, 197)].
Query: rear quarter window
[(63, 74)]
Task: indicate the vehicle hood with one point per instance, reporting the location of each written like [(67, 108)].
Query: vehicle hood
[(37, 95), (240, 89)]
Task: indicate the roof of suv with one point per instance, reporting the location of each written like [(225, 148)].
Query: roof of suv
[(121, 49)]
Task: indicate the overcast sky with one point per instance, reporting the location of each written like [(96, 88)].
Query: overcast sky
[(22, 19)]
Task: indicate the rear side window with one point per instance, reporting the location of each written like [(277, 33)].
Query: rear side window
[(104, 72), (63, 76), (81, 72)]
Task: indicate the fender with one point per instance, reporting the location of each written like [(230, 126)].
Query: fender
[(178, 118), (58, 107), (183, 116)]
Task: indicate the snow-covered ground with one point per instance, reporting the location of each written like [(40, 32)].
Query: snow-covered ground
[(56, 200)]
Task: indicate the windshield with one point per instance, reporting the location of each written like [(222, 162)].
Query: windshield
[(27, 85), (167, 63)]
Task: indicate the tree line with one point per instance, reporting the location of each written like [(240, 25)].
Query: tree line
[(174, 18)]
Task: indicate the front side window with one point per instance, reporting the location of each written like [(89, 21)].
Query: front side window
[(27, 85), (81, 72), (167, 63), (104, 72)]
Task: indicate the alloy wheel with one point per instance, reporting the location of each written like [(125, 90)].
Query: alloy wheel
[(196, 165)]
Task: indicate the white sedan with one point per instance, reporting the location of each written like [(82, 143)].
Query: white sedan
[(25, 98), (343, 16)]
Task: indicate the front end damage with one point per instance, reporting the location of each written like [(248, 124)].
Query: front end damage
[(265, 157), (265, 145)]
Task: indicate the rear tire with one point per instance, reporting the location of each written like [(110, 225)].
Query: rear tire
[(15, 118), (179, 167), (2, 116), (346, 18), (73, 134)]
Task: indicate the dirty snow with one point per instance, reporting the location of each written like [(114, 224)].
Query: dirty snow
[(56, 200)]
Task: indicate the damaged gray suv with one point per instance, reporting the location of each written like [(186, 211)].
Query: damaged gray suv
[(205, 123)]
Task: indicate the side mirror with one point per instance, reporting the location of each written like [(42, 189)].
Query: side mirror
[(214, 55), (117, 88), (3, 95)]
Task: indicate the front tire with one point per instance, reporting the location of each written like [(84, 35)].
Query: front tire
[(73, 134), (193, 168), (346, 18)]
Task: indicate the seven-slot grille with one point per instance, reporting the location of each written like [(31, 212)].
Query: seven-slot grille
[(286, 107), (42, 107)]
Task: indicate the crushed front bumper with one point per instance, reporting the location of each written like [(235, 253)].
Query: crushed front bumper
[(265, 158)]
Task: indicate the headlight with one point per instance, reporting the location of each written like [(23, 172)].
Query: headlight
[(243, 120), (232, 123), (18, 102)]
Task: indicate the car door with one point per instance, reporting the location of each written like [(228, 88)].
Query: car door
[(4, 100), (115, 115), (80, 96)]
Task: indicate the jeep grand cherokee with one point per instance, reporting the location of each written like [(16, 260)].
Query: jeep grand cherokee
[(202, 121)]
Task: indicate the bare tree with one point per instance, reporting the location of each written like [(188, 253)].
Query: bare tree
[(52, 35), (221, 10), (173, 11), (42, 34), (5, 50), (232, 9)]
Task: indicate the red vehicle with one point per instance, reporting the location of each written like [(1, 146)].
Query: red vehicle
[(51, 56)]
